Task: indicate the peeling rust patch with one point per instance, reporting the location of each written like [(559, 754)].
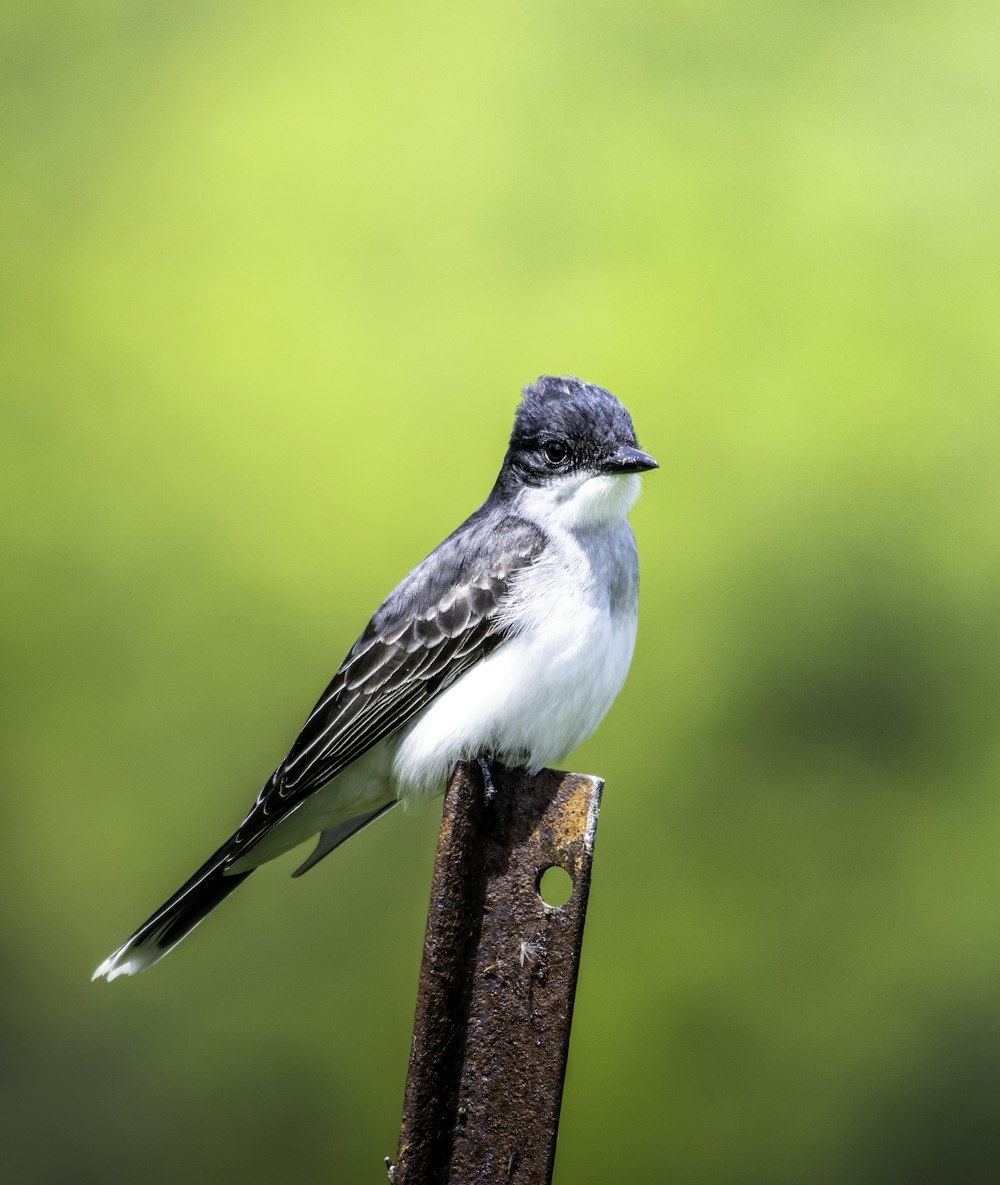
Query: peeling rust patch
[(495, 1002)]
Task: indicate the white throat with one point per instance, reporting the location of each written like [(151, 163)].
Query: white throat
[(581, 501)]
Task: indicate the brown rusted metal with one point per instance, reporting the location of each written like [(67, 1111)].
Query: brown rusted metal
[(495, 1003)]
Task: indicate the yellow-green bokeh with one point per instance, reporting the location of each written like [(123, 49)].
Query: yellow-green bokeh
[(272, 278)]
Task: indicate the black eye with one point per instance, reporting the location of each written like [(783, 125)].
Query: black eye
[(555, 451)]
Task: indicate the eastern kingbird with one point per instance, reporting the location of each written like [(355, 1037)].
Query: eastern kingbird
[(508, 643)]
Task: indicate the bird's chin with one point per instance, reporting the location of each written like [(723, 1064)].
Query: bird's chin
[(606, 499), (592, 501)]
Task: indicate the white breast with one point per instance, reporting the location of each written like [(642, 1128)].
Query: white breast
[(573, 620)]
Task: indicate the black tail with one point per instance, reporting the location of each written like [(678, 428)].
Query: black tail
[(175, 919)]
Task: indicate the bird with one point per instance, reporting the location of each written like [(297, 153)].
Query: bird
[(507, 644)]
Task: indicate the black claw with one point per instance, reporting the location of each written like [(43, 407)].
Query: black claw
[(489, 789)]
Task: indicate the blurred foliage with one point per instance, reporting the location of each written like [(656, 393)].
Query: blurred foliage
[(272, 278)]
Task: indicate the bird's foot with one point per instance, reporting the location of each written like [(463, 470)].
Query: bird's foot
[(485, 764)]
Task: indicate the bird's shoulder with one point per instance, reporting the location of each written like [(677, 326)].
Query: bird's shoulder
[(463, 579)]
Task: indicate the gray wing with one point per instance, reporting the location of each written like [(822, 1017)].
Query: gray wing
[(441, 620)]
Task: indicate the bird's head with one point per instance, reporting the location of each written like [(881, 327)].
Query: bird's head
[(573, 454)]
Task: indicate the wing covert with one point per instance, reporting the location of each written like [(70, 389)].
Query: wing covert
[(441, 620)]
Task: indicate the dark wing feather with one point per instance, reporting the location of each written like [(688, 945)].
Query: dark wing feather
[(441, 620)]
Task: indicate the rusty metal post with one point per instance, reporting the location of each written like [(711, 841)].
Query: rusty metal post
[(495, 1002)]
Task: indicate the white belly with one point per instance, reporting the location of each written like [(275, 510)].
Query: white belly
[(539, 694)]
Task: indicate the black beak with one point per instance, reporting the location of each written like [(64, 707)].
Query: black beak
[(629, 460)]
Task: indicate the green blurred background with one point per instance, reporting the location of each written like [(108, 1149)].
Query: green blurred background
[(266, 268)]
